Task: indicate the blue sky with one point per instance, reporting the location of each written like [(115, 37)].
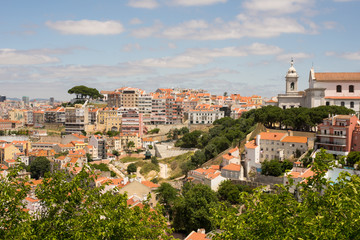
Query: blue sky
[(47, 47)]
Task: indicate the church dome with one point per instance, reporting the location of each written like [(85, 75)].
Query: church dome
[(292, 71)]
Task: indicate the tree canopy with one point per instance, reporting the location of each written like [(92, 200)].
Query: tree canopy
[(73, 208), (85, 92), (327, 210), (39, 166)]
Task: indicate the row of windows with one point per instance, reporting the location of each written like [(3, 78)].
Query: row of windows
[(339, 88), (352, 104)]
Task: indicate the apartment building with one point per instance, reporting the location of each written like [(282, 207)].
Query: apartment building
[(99, 142), (76, 118), (132, 123), (335, 134), (109, 119)]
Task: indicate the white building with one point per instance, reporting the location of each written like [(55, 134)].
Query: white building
[(328, 88), (207, 116)]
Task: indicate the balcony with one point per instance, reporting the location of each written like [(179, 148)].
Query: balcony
[(331, 144), (330, 135)]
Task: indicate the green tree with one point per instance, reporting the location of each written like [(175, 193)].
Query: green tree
[(230, 192), (116, 153), (352, 158), (192, 209), (327, 210), (154, 160), (14, 221), (89, 157), (131, 168), (39, 166), (85, 92), (130, 145), (271, 168), (166, 195), (70, 207)]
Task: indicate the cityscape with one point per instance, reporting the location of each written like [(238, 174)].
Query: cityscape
[(175, 120)]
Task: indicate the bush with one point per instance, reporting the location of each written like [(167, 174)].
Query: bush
[(131, 168), (102, 167), (154, 131)]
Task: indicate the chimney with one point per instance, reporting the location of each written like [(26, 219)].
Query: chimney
[(201, 230), (257, 140)]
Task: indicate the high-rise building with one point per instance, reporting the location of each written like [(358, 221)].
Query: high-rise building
[(26, 100), (2, 98), (52, 100)]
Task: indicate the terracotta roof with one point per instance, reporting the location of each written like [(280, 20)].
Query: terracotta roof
[(295, 139), (233, 150), (227, 156), (251, 144), (338, 76), (271, 136), (196, 236), (232, 167), (149, 184), (216, 167), (29, 199)]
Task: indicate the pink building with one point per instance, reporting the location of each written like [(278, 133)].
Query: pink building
[(335, 134)]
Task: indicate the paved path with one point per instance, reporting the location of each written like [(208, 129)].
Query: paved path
[(117, 171), (163, 170)]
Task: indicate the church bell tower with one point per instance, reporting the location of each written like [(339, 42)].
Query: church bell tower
[(291, 80)]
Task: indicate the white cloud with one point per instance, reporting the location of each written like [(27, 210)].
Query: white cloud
[(147, 31), (296, 56), (200, 56), (172, 45), (277, 7), (87, 27), (131, 46), (346, 0), (149, 4), (16, 57), (135, 21), (197, 2), (351, 56), (329, 25), (244, 26)]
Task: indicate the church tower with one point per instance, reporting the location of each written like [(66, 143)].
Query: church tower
[(291, 80)]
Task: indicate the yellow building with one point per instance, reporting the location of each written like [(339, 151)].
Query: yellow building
[(8, 151), (131, 137), (79, 145), (108, 119), (17, 115)]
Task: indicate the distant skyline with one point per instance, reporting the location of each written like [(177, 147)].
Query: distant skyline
[(245, 47)]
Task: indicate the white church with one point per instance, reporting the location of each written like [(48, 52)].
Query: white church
[(338, 88)]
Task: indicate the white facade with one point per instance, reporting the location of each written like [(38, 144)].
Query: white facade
[(338, 88), (204, 116)]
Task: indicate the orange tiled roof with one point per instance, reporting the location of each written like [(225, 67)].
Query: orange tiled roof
[(295, 139), (149, 184), (227, 156), (233, 150), (251, 144), (232, 167), (338, 76), (196, 236), (271, 136)]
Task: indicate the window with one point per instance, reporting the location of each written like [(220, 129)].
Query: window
[(327, 103), (284, 107), (351, 104), (343, 104), (351, 88), (338, 88)]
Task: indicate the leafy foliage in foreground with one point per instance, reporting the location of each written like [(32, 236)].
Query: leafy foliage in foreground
[(72, 208), (327, 210)]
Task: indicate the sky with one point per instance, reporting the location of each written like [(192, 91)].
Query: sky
[(233, 46)]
